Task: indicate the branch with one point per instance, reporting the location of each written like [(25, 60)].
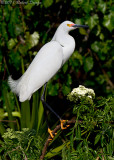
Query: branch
[(49, 137), (104, 72), (7, 121), (54, 22), (19, 147), (55, 131)]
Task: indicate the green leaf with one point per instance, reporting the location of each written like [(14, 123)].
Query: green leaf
[(78, 132), (11, 43), (78, 21), (47, 3), (25, 113), (102, 6), (101, 36), (69, 79), (110, 147), (65, 89), (29, 6), (6, 13), (93, 21), (4, 31), (33, 39), (98, 30), (23, 49), (18, 29), (53, 89), (1, 113), (88, 64), (8, 106), (100, 79), (65, 67), (2, 129), (108, 21), (82, 31), (77, 56), (110, 158), (97, 138), (95, 46), (55, 151)]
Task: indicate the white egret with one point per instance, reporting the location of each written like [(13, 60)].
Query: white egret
[(45, 65)]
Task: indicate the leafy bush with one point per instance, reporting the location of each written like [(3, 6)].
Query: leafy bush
[(25, 144), (91, 137)]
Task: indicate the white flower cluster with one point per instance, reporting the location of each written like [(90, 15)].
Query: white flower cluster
[(80, 92)]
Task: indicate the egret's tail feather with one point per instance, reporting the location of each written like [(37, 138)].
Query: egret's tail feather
[(13, 85)]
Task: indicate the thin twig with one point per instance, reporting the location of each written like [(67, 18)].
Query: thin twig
[(52, 25), (86, 37), (7, 121), (19, 147), (55, 131)]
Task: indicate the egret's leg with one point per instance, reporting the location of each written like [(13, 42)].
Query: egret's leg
[(45, 105), (49, 130)]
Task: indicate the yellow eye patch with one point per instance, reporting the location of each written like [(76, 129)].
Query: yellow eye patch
[(70, 25)]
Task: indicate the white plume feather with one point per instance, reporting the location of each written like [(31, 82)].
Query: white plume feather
[(13, 85)]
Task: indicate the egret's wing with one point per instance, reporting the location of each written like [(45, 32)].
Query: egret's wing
[(44, 66)]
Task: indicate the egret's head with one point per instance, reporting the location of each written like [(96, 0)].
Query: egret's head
[(68, 26)]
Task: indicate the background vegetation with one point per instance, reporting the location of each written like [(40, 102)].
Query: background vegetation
[(24, 29)]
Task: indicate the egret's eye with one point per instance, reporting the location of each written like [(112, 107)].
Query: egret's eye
[(70, 25)]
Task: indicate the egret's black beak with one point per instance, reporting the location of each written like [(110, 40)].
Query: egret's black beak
[(78, 26)]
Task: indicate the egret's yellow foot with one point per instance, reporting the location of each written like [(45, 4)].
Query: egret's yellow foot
[(63, 123), (51, 134)]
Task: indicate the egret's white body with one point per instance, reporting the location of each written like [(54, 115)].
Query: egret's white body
[(46, 63)]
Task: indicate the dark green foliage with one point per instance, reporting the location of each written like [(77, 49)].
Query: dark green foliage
[(92, 135), (90, 138), (24, 29), (25, 144), (21, 115)]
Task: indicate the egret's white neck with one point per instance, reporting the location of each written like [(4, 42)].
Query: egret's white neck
[(66, 41)]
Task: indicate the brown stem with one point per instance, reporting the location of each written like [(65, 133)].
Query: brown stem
[(49, 137), (17, 148), (7, 121), (55, 130)]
